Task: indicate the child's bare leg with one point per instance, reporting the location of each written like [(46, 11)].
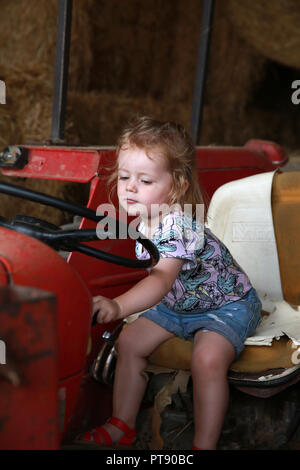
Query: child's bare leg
[(212, 356), (136, 342)]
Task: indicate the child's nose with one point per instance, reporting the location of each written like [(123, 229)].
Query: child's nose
[(131, 186)]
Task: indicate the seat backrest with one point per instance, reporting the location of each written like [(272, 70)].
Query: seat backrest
[(286, 217), (240, 214)]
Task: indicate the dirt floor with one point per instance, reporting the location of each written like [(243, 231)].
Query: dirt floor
[(251, 422)]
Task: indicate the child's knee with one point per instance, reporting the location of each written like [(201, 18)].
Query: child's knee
[(127, 343), (208, 363), (204, 362)]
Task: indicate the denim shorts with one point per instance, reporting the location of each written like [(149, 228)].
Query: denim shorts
[(235, 320)]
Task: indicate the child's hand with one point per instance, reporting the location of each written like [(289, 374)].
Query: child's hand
[(108, 309)]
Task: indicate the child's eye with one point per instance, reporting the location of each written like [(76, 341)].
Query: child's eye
[(146, 182), (123, 177)]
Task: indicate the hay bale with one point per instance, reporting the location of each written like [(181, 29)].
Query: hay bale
[(10, 132), (98, 117), (133, 45), (249, 122), (235, 69), (133, 57), (28, 30), (28, 106), (149, 49), (144, 50), (272, 28)]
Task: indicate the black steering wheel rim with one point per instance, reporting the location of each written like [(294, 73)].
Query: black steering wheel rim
[(68, 239)]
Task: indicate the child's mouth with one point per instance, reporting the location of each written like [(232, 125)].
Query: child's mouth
[(131, 201)]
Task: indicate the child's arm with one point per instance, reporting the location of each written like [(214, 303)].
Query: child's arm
[(145, 294)]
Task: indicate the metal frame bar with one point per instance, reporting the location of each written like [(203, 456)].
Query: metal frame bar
[(62, 69), (202, 61), (63, 40)]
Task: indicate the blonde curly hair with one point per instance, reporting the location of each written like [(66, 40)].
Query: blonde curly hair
[(172, 142)]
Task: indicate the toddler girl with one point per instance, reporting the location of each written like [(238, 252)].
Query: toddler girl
[(196, 291)]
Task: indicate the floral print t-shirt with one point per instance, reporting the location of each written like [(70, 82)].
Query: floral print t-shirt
[(209, 277)]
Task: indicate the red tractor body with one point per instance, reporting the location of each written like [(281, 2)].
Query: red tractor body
[(47, 300)]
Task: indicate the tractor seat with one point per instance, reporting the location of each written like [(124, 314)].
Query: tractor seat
[(258, 218)]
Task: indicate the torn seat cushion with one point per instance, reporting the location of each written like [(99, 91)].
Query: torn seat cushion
[(176, 353)]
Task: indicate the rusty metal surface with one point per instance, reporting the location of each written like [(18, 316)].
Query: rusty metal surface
[(29, 375)]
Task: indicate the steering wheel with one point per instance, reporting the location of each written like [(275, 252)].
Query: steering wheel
[(69, 240)]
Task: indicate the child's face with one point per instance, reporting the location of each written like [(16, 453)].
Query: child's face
[(142, 182)]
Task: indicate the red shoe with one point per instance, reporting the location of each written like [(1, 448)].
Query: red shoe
[(100, 436)]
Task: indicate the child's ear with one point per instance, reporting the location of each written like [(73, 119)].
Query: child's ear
[(184, 187)]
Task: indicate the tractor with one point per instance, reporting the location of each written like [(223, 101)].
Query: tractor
[(57, 364)]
